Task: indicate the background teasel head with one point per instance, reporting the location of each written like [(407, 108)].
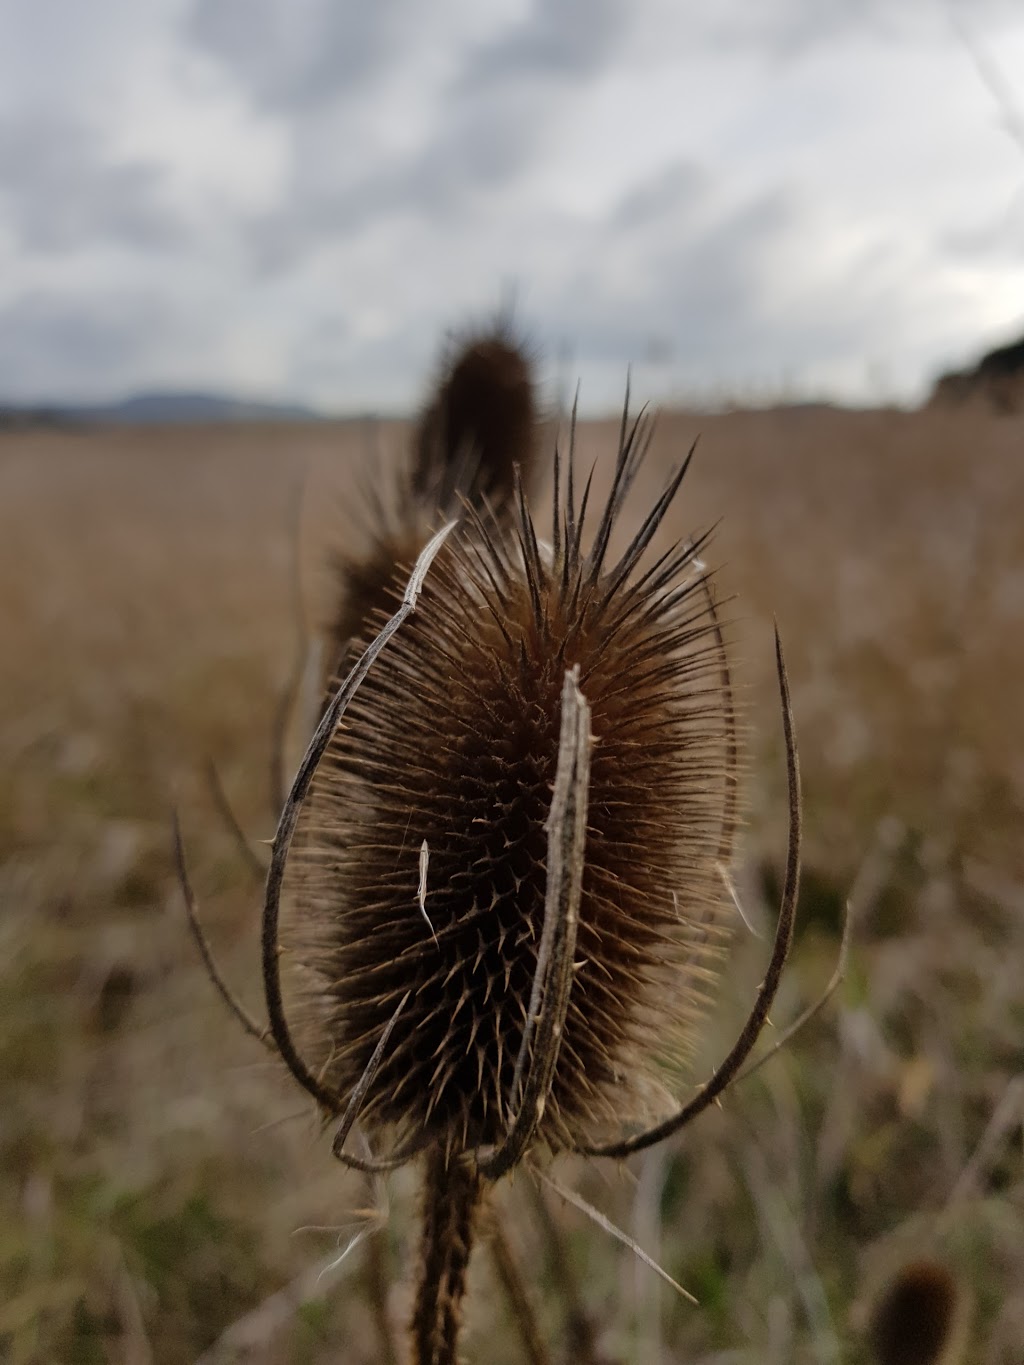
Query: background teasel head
[(418, 877), (919, 1316), (479, 427)]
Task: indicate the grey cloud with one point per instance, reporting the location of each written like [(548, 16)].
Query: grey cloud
[(557, 40), (102, 341), (788, 28), (484, 130), (473, 152), (376, 374), (60, 191), (674, 191), (509, 93), (467, 159), (701, 289), (301, 54), (704, 288), (982, 239)]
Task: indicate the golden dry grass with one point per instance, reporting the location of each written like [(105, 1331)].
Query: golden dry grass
[(156, 1171)]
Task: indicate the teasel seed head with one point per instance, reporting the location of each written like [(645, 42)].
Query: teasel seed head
[(480, 425), (918, 1317), (419, 870), (500, 856), (478, 428)]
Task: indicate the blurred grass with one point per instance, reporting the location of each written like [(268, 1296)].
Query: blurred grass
[(156, 1170)]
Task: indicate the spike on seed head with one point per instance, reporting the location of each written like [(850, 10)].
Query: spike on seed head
[(452, 743)]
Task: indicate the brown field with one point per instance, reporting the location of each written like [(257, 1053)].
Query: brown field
[(164, 1189)]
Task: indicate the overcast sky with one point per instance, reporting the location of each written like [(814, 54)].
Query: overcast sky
[(293, 199)]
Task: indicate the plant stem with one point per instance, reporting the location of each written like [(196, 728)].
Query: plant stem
[(451, 1195)]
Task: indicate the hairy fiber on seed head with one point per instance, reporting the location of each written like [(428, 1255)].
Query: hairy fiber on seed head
[(478, 427), (419, 860)]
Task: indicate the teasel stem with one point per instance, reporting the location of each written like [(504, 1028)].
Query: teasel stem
[(452, 1188)]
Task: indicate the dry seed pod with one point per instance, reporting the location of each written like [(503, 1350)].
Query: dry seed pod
[(418, 878), (915, 1320), (480, 424)]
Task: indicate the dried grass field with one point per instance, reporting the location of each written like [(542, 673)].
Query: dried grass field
[(165, 1193)]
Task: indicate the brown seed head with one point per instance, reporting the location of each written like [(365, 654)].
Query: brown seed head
[(480, 425), (418, 870), (914, 1319)]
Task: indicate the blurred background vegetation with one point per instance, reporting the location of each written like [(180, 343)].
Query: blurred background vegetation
[(165, 1195)]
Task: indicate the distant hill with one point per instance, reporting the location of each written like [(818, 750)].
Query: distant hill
[(156, 409)]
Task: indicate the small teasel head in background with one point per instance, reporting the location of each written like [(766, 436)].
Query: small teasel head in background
[(480, 425), (918, 1317)]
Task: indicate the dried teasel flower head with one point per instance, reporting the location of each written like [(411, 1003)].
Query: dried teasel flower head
[(479, 426), (421, 868), (493, 906), (918, 1317)]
